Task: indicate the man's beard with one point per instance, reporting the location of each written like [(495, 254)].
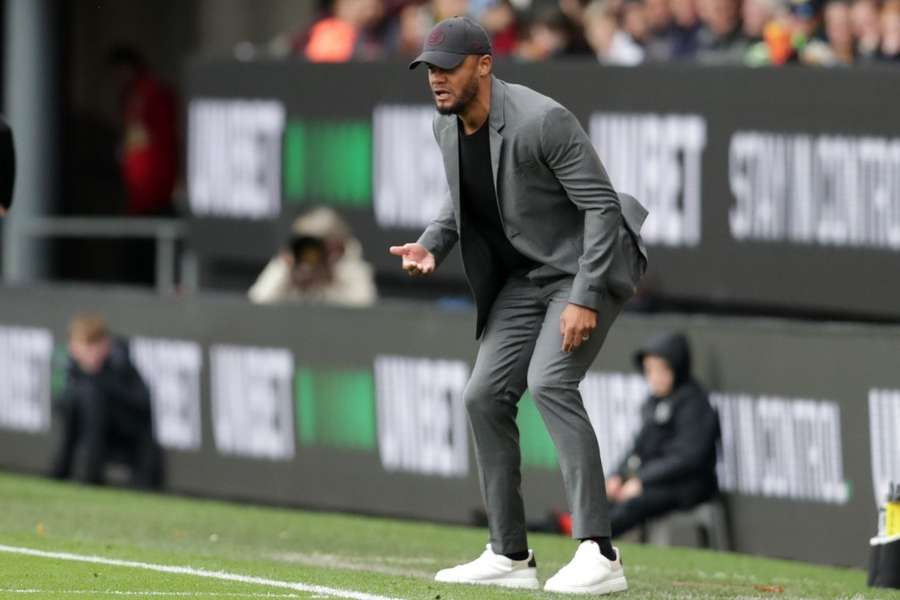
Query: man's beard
[(468, 94)]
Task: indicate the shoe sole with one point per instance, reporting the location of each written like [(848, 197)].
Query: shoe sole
[(612, 586)]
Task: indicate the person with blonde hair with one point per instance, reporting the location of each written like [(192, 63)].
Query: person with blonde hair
[(104, 409)]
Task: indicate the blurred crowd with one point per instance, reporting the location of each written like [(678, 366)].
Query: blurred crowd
[(619, 32)]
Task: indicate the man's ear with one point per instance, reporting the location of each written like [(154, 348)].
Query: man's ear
[(486, 65)]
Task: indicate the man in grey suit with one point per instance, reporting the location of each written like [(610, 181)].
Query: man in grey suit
[(551, 253)]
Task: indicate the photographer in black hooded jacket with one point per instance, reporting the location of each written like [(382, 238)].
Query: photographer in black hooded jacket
[(672, 463)]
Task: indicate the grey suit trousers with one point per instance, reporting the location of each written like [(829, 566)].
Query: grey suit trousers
[(522, 346)]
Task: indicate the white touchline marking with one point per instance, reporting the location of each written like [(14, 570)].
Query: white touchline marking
[(149, 593), (300, 587), (336, 561)]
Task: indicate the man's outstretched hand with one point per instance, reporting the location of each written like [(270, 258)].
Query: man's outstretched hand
[(416, 259)]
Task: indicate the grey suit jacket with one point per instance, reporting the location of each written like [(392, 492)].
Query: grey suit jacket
[(556, 204)]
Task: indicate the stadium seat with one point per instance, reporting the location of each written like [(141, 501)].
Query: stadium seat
[(707, 519)]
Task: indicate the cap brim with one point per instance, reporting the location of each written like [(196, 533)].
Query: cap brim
[(443, 60)]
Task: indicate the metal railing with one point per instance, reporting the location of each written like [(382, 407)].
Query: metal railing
[(166, 232)]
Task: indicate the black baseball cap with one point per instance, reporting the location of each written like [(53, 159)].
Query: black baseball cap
[(451, 41)]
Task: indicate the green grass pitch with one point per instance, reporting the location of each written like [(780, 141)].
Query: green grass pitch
[(382, 557)]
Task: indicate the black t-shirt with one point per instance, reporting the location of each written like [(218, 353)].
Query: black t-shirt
[(480, 208)]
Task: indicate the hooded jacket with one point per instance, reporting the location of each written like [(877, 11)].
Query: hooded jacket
[(676, 445), (118, 379)]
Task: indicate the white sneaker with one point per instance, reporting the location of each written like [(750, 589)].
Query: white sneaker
[(589, 572), (494, 569)]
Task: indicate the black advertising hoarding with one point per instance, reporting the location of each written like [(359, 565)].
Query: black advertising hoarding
[(771, 188), (361, 410)]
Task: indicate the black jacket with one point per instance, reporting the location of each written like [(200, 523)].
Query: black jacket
[(118, 379), (676, 445)]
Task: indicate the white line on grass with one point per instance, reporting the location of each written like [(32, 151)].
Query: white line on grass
[(150, 593), (100, 560), (350, 563)]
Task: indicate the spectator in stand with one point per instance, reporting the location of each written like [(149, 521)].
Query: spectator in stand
[(409, 21), (807, 37), (444, 9), (866, 29), (839, 33), (687, 27), (890, 31), (611, 45), (634, 21), (149, 152), (574, 13), (406, 33), (757, 16), (499, 19), (659, 45), (105, 410), (549, 36), (659, 15), (722, 40), (345, 34), (616, 7), (478, 7), (148, 155), (322, 262), (574, 10), (713, 32), (806, 18)]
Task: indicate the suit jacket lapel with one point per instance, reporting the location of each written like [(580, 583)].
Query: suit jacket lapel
[(498, 98), (496, 147), (450, 153)]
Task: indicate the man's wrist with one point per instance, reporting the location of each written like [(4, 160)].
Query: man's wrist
[(585, 294), (593, 310)]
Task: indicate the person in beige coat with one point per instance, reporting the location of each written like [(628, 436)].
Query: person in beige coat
[(323, 263)]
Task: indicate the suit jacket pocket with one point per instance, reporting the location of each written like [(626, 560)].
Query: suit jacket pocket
[(627, 267), (633, 216), (639, 256)]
